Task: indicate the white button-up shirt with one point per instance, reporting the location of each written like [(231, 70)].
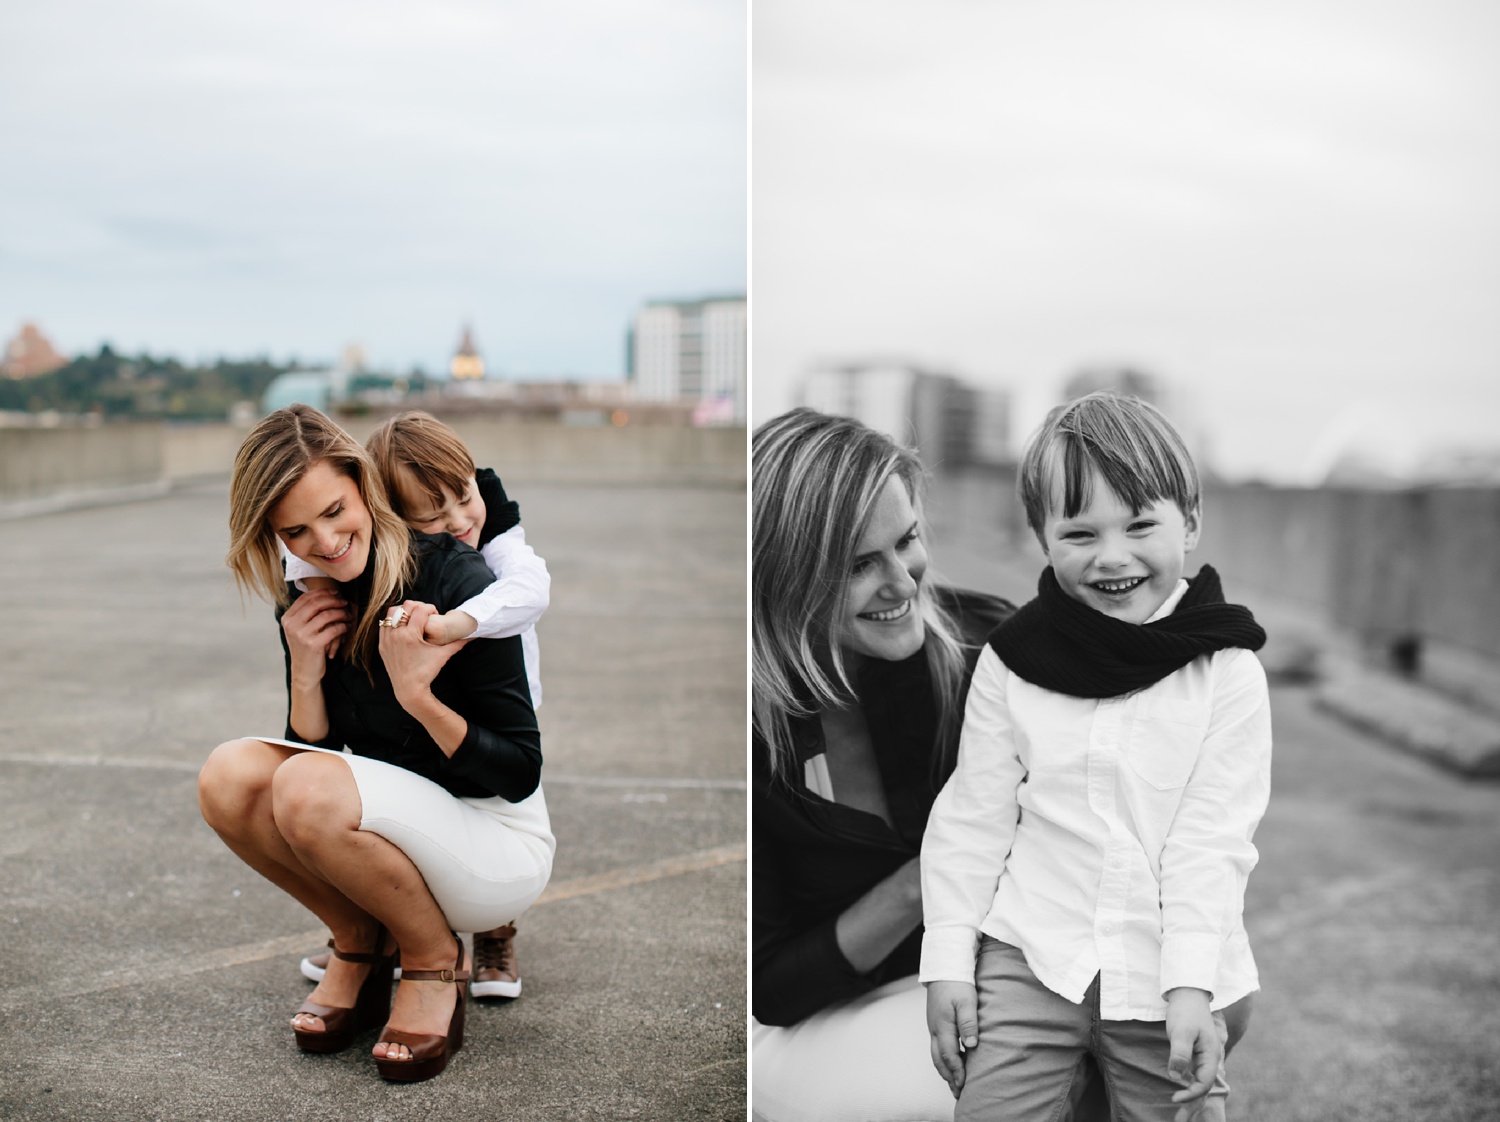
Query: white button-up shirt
[(1108, 837)]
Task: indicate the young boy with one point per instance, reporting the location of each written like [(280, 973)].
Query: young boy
[(435, 488), (1083, 871)]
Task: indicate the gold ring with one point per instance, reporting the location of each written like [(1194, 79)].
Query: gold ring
[(397, 618)]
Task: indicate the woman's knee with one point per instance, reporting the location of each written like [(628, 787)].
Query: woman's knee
[(234, 781), (312, 796)]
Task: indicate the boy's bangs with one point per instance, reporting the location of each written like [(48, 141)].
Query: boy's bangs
[(1139, 478), (1139, 475)]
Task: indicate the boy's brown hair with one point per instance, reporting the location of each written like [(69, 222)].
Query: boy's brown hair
[(1140, 456), (427, 451)]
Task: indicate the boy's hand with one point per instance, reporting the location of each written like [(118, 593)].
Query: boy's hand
[(1197, 1049), (952, 1019), (448, 627)]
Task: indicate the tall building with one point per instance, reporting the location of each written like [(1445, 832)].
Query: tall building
[(466, 364), (694, 350), (948, 421), (29, 354)]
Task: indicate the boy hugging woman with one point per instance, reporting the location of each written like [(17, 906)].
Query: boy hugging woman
[(435, 488)]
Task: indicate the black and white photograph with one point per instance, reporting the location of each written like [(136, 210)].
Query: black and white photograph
[(1126, 506)]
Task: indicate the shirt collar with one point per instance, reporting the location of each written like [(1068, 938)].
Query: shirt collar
[(1169, 605)]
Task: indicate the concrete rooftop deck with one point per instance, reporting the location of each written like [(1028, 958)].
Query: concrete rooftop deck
[(150, 975)]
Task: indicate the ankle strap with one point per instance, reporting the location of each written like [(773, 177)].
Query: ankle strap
[(360, 956), (434, 975), (457, 974)]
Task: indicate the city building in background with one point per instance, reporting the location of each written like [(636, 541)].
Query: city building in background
[(30, 354), (950, 422), (467, 365), (692, 351)]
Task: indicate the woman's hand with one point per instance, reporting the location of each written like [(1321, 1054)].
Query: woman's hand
[(314, 626), (410, 659), (878, 922)]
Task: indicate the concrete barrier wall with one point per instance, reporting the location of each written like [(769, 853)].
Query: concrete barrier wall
[(543, 452), (38, 465), (1276, 542), (46, 463), (1380, 566)]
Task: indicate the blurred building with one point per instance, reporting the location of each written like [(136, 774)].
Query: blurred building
[(950, 422), (29, 354), (561, 401), (1127, 381), (1174, 402), (298, 387), (467, 365), (693, 351)]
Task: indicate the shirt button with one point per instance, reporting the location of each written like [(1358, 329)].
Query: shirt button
[(1109, 927)]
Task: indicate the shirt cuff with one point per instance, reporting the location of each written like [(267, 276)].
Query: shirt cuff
[(1190, 960), (949, 954)]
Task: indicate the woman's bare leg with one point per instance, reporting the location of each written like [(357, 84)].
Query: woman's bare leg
[(235, 793), (317, 810)]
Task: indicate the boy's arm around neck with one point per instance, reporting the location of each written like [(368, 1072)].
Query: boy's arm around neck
[(520, 593)]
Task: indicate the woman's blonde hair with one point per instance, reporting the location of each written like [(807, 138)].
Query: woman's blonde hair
[(275, 455), (431, 455), (815, 480)]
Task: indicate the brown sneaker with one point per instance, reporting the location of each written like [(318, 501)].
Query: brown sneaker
[(495, 970), (314, 966)]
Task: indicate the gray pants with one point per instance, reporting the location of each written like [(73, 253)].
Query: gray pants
[(1032, 1045)]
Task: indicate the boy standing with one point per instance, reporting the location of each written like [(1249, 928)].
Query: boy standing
[(1083, 871)]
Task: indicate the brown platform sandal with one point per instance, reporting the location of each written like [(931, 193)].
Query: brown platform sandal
[(429, 1053), (373, 1005)]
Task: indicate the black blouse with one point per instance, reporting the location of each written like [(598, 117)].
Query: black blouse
[(813, 858), (485, 683)]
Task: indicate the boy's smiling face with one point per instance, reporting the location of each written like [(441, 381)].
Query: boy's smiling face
[(460, 515), (1116, 561)]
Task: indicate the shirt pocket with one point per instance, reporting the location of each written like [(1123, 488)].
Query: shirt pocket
[(1164, 741)]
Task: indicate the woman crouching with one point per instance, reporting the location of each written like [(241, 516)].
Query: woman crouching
[(434, 819)]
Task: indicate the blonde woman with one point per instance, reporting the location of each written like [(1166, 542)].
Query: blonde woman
[(859, 669), (434, 819)]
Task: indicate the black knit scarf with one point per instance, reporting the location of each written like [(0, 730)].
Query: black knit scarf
[(501, 512), (1062, 645)]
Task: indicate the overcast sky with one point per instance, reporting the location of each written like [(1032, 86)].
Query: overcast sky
[(201, 177), (1288, 211)]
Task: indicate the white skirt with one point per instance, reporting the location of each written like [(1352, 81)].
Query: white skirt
[(485, 861), (862, 1060)]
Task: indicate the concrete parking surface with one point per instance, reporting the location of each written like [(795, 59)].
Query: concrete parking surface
[(148, 974)]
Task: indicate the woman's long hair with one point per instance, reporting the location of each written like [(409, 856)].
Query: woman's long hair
[(273, 457), (815, 480)]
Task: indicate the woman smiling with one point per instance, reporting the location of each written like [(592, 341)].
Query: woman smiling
[(859, 668), (434, 818)]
